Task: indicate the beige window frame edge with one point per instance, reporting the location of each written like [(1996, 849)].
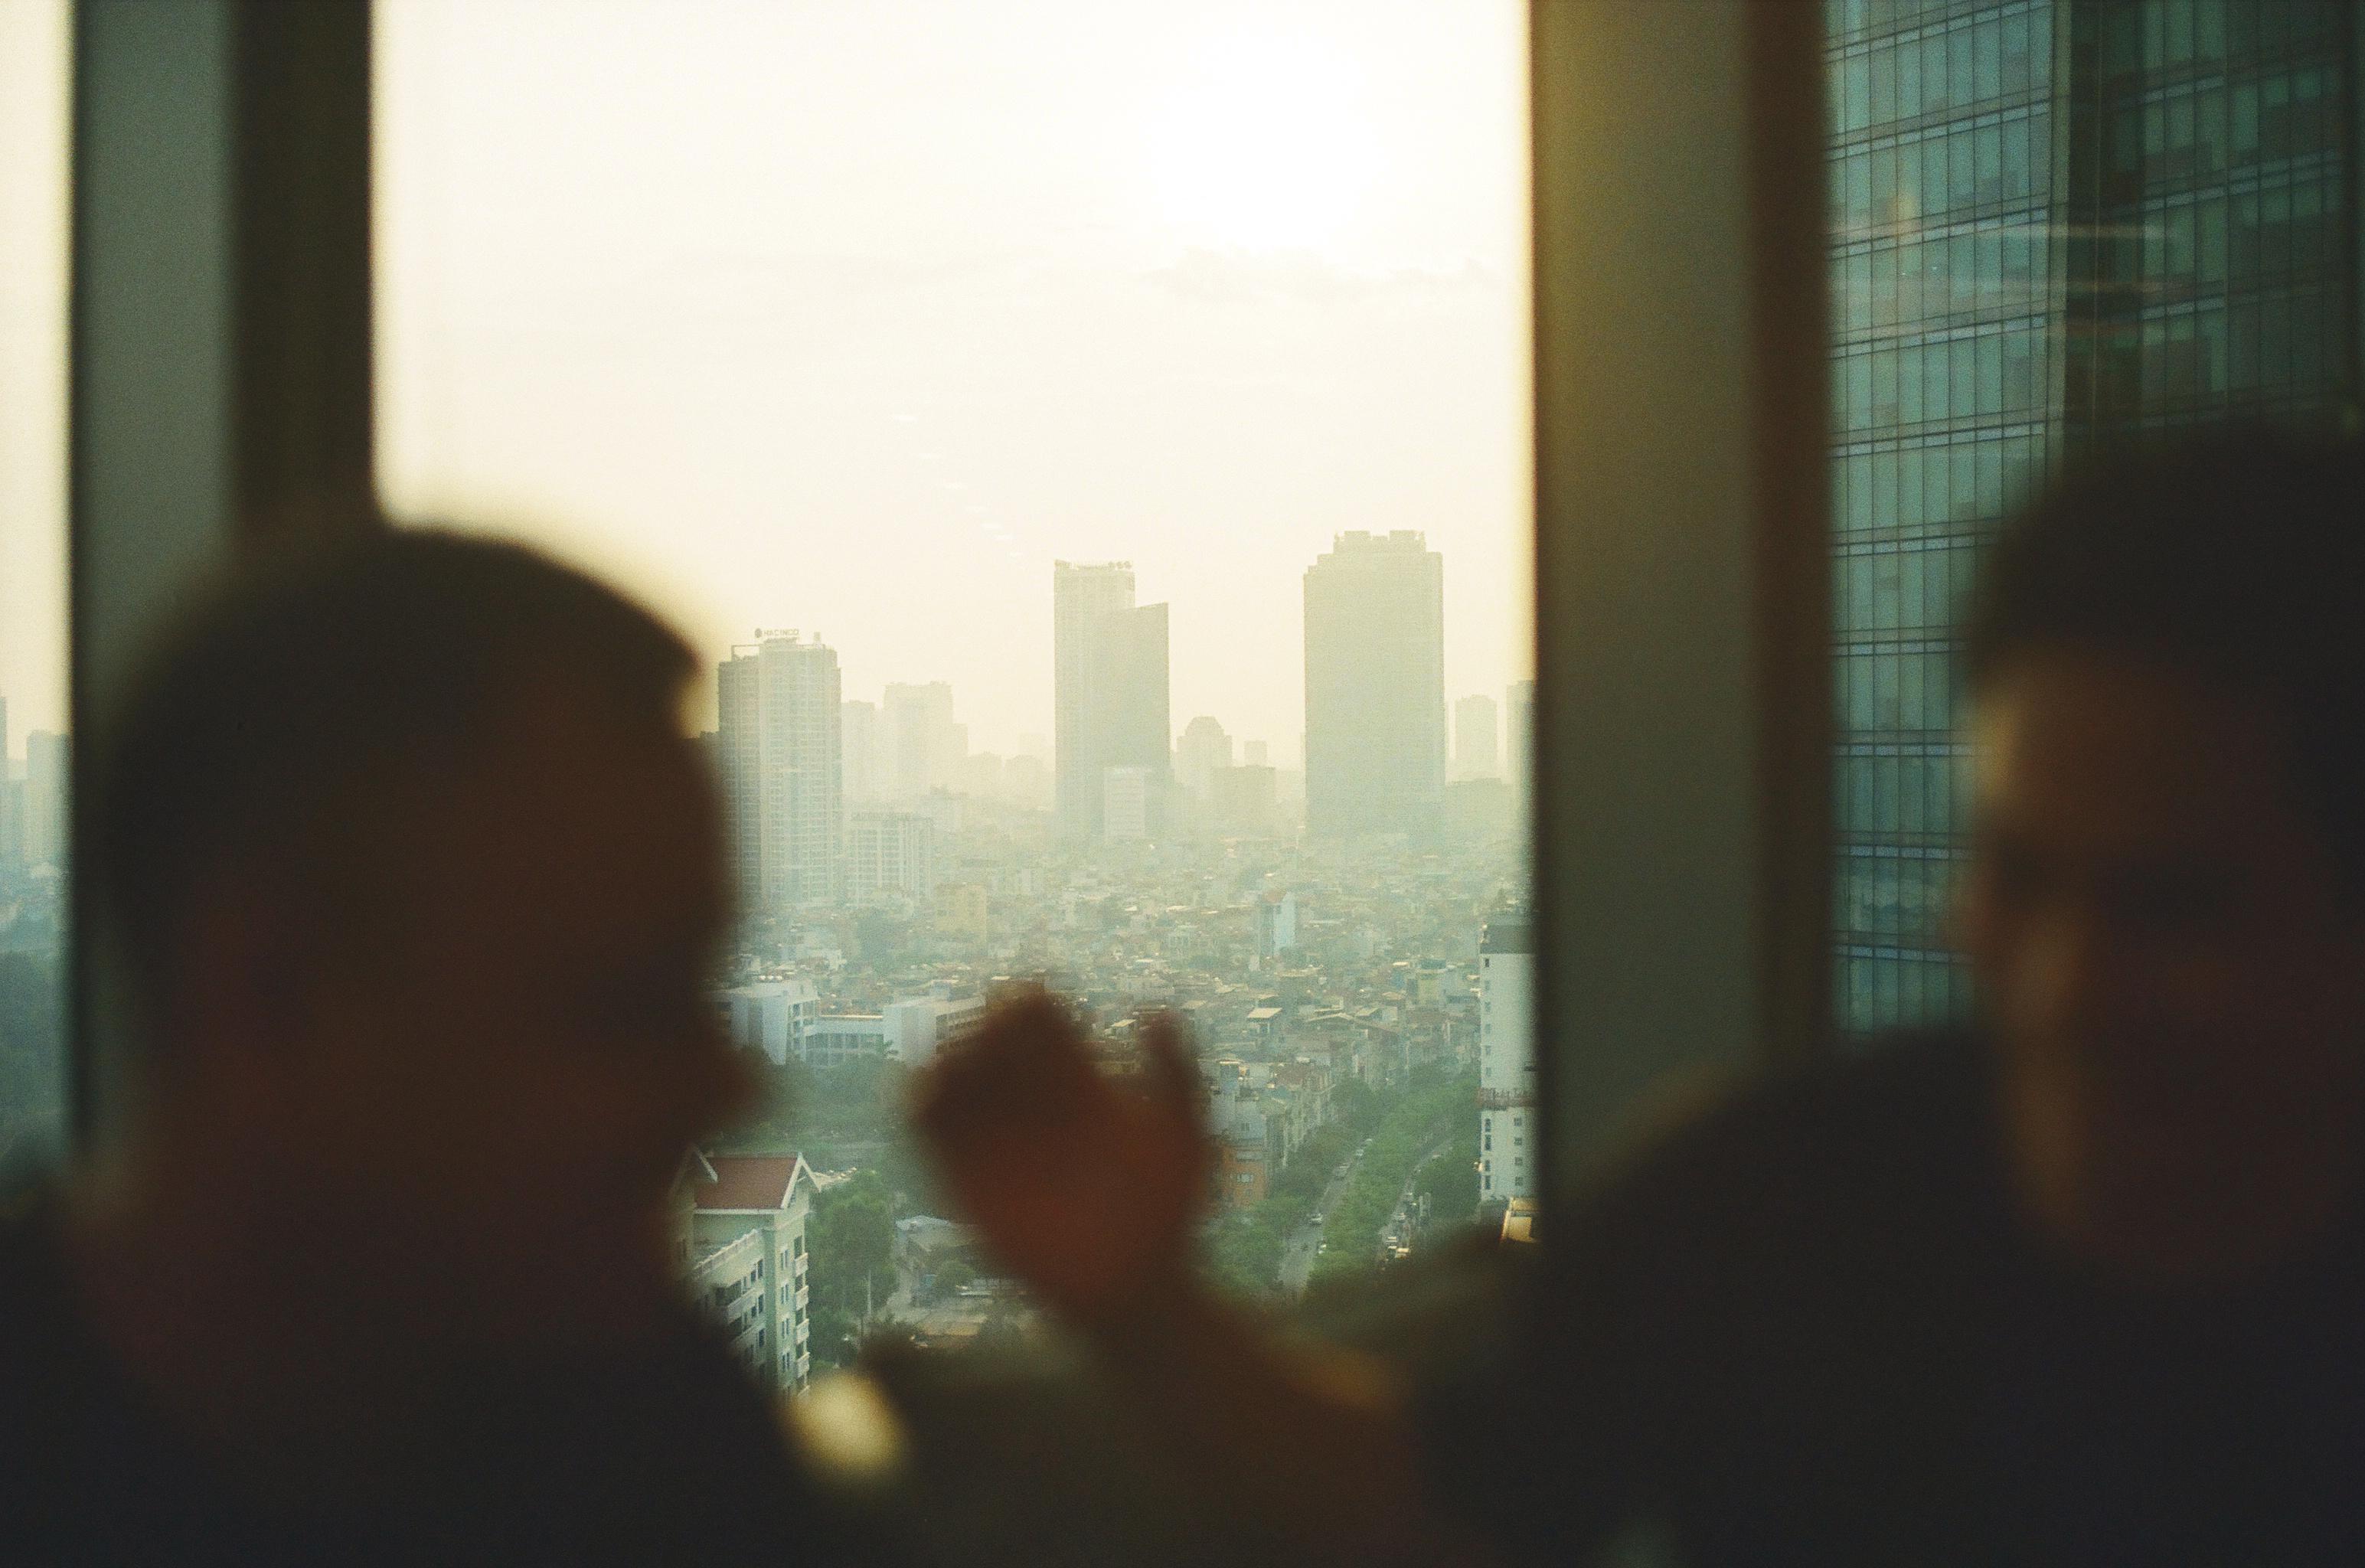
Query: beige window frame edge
[(219, 334), (1683, 682)]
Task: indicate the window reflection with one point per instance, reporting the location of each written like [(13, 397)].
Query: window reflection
[(2049, 223)]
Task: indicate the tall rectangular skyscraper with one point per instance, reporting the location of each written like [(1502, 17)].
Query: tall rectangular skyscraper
[(1375, 688), (924, 745), (1473, 739), (2053, 220), (1110, 688), (1131, 716), (861, 752), (782, 770)]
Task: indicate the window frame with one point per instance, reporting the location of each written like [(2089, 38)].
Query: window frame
[(244, 424)]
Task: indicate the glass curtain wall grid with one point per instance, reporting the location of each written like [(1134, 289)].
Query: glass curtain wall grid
[(2218, 271), (1946, 386), (2053, 222)]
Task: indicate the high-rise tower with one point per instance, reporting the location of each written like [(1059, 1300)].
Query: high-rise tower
[(1508, 1149), (782, 773), (923, 745), (1474, 756), (1080, 594), (1375, 688), (1110, 680)]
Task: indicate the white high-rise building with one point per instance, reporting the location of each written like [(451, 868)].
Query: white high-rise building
[(1508, 1146), (924, 745), (860, 752), (783, 779), (742, 1233), (1473, 739), (890, 854)]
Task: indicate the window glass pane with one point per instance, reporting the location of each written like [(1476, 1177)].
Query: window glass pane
[(2015, 53), (1937, 87), (2209, 31), (2221, 281), (1076, 378), (34, 750)]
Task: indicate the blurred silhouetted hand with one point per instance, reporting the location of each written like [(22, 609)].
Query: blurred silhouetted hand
[(1084, 1185)]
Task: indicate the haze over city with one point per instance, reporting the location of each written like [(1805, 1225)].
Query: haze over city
[(1195, 290)]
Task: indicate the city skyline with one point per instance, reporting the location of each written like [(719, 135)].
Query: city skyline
[(709, 310), (911, 742)]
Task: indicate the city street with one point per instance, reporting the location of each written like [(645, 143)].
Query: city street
[(1306, 1242), (1400, 1224)]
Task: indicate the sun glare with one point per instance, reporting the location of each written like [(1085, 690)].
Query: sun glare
[(1262, 144)]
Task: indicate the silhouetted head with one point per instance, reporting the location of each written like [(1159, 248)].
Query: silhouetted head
[(418, 880), (2166, 907)]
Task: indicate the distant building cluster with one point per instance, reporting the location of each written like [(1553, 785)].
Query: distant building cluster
[(35, 808), (835, 801), (34, 823), (783, 1020), (1316, 929), (1262, 1111)]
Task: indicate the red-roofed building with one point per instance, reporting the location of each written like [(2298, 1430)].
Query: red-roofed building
[(742, 1256)]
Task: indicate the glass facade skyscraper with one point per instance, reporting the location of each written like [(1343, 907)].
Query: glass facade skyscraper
[(2052, 221)]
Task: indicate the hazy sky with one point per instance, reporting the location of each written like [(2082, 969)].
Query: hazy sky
[(33, 68), (852, 316)]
